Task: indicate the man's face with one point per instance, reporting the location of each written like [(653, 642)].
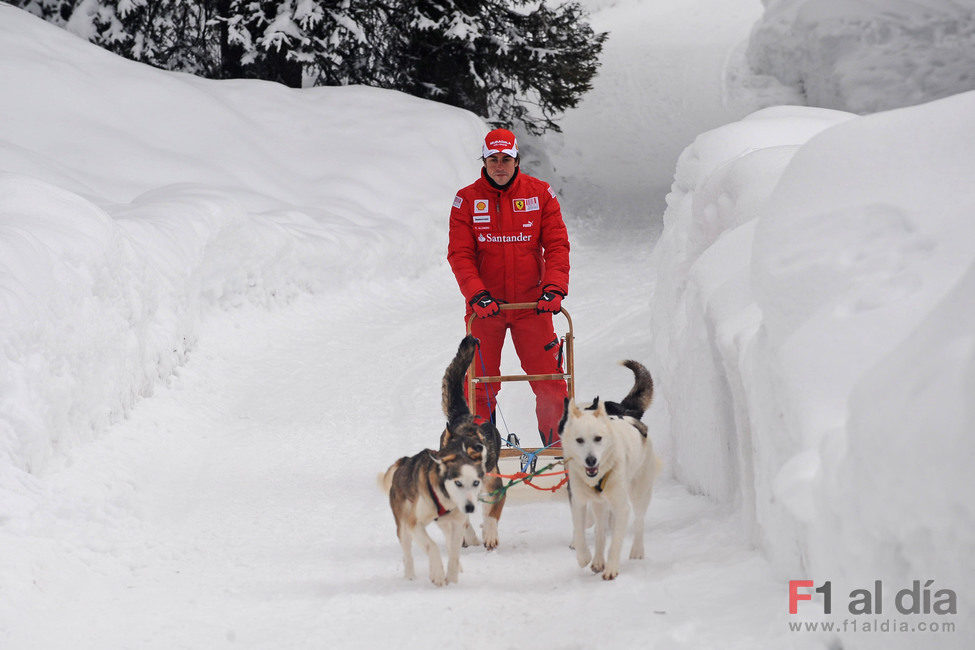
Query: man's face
[(500, 167)]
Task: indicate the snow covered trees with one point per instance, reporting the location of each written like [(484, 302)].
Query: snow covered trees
[(506, 60)]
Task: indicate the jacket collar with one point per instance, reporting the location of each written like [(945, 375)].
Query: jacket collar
[(501, 188)]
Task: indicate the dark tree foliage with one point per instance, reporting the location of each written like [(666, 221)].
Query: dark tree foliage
[(506, 60)]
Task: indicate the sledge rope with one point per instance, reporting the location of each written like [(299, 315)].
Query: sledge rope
[(490, 394), (527, 457), (526, 478)]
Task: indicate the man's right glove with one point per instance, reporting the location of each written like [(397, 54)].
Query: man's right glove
[(484, 305), (550, 302)]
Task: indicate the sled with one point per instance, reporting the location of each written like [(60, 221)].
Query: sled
[(512, 448)]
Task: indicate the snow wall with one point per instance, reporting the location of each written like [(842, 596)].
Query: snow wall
[(814, 324), (131, 207), (867, 55)]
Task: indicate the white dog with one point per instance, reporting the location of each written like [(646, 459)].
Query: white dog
[(611, 466)]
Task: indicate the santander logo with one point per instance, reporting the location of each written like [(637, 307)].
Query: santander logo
[(503, 239)]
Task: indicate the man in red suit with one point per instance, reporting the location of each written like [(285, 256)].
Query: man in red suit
[(508, 243)]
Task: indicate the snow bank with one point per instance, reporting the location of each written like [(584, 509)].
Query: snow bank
[(867, 55), (134, 201), (814, 325)]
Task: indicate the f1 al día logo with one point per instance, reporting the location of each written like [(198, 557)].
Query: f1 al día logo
[(922, 606)]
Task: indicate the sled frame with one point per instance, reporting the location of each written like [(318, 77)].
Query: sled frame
[(568, 376)]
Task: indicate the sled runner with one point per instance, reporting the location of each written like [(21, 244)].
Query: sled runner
[(528, 455)]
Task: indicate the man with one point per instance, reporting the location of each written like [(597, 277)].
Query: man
[(508, 243)]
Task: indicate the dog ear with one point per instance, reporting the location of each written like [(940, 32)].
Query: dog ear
[(437, 460), (446, 436), (475, 451), (601, 409), (574, 409)]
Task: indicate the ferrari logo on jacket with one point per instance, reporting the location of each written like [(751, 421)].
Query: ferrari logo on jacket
[(525, 205)]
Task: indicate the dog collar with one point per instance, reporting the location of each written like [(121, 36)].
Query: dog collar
[(441, 511), (599, 486)]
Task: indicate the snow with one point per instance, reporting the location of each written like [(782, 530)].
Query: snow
[(224, 307), (810, 380), (867, 55)]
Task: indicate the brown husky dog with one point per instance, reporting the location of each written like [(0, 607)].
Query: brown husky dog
[(611, 465), (462, 427), (441, 486)]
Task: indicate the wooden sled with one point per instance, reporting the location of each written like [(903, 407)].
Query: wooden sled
[(512, 448)]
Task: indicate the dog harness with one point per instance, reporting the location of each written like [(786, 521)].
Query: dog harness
[(441, 511)]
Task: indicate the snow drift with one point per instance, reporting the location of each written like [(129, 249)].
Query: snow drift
[(814, 337), (134, 201), (867, 55)]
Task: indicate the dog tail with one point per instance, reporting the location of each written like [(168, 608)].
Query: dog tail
[(385, 479), (454, 402), (638, 400)]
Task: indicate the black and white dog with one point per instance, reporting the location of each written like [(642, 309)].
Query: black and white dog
[(463, 426)]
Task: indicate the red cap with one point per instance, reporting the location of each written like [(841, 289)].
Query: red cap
[(500, 141)]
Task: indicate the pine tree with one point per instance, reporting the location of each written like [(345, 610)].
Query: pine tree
[(506, 60), (53, 11)]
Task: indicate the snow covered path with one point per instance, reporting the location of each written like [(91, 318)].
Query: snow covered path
[(661, 82), (238, 507)]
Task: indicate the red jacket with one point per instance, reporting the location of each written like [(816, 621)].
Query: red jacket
[(513, 243)]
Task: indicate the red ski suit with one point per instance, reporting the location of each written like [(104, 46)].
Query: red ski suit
[(513, 244)]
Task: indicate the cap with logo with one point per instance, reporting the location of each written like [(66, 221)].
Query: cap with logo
[(500, 141)]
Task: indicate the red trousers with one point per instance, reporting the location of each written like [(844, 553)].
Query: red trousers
[(538, 350)]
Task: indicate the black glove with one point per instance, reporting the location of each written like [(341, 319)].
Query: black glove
[(550, 302), (484, 305)]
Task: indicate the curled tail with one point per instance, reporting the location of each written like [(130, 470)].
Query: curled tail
[(385, 480), (454, 403), (638, 400)]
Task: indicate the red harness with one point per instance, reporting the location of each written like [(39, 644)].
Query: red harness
[(441, 511)]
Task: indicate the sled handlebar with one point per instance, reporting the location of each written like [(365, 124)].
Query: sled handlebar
[(568, 376)]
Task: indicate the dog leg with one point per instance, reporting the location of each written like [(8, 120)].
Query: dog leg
[(470, 535), (583, 555), (406, 541), (619, 507), (640, 504), (492, 513), (437, 576), (454, 534), (601, 516)]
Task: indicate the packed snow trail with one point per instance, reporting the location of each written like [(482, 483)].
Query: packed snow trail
[(238, 507), (662, 80)]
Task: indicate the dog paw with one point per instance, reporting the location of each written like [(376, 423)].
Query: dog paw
[(610, 574), (490, 532), (470, 537), (597, 565), (583, 556), (439, 580), (636, 553)]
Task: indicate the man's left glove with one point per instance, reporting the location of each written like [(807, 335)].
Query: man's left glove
[(550, 302), (484, 305)]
